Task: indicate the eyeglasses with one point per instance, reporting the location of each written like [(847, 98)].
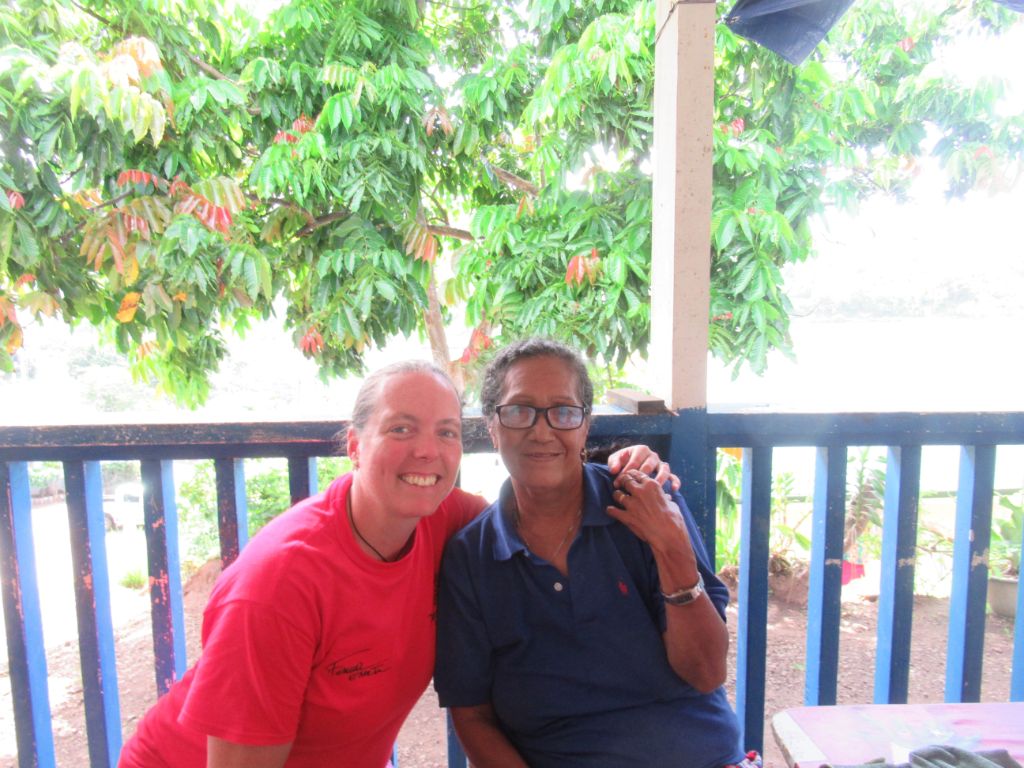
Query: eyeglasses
[(525, 416)]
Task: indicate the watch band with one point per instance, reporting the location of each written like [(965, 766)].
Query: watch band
[(685, 596)]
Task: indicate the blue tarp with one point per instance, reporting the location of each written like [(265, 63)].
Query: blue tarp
[(793, 28)]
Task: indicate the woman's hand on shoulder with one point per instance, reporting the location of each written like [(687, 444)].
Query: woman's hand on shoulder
[(642, 459), (643, 507)]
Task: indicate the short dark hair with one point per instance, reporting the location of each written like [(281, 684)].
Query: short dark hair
[(496, 371)]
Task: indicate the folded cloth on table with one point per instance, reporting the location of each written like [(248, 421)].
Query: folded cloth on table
[(940, 756)]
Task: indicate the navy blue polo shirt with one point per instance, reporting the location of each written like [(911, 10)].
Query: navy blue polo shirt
[(575, 667)]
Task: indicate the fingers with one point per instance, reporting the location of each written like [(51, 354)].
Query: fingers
[(635, 457), (664, 475), (649, 465), (674, 482), (633, 482), (617, 459), (640, 458), (641, 505)]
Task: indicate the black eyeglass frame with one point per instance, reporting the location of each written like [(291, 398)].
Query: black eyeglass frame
[(584, 411)]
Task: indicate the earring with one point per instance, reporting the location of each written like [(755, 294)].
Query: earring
[(355, 462), (583, 455)]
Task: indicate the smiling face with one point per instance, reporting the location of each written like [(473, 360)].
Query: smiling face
[(409, 450), (540, 458)]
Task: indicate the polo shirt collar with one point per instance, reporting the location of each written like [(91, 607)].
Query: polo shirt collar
[(508, 542)]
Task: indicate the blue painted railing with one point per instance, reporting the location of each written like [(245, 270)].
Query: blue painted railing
[(689, 439)]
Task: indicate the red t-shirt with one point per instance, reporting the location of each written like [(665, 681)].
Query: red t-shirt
[(307, 640)]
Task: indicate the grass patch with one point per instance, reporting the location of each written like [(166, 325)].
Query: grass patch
[(133, 580)]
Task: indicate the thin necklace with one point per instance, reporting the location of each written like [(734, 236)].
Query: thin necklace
[(572, 525), (352, 522)]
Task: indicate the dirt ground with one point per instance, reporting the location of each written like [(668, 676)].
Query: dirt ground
[(422, 740)]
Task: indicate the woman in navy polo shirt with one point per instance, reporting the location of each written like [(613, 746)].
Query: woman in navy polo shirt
[(580, 622)]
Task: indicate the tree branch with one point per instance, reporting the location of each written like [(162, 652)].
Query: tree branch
[(216, 74), (323, 221), (434, 321), (111, 201), (443, 231), (103, 20), (437, 202), (209, 69), (515, 181), (283, 203)]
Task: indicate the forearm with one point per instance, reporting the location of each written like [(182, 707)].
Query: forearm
[(228, 754), (696, 639), (482, 740)]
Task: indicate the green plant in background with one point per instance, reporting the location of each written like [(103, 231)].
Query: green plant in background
[(116, 472), (786, 540), (267, 495), (133, 579), (865, 494), (728, 490), (1007, 532), (789, 541), (45, 478), (197, 517)]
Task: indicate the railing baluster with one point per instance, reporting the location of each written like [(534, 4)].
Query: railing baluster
[(26, 653), (752, 641), (232, 509), (1017, 665), (456, 757), (164, 572), (970, 573), (711, 504), (84, 485), (823, 599), (689, 460), (896, 595), (302, 479)]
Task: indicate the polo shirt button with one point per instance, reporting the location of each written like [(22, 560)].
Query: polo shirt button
[(558, 586)]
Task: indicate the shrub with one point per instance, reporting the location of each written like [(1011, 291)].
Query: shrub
[(133, 579), (267, 495)]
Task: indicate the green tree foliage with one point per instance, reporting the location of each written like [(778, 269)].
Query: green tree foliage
[(171, 170)]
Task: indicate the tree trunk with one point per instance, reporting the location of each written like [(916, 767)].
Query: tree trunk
[(434, 321)]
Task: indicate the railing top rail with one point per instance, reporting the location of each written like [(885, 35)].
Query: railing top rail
[(753, 429), (248, 439), (320, 438)]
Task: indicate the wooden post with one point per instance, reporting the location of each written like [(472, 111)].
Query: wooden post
[(684, 91)]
